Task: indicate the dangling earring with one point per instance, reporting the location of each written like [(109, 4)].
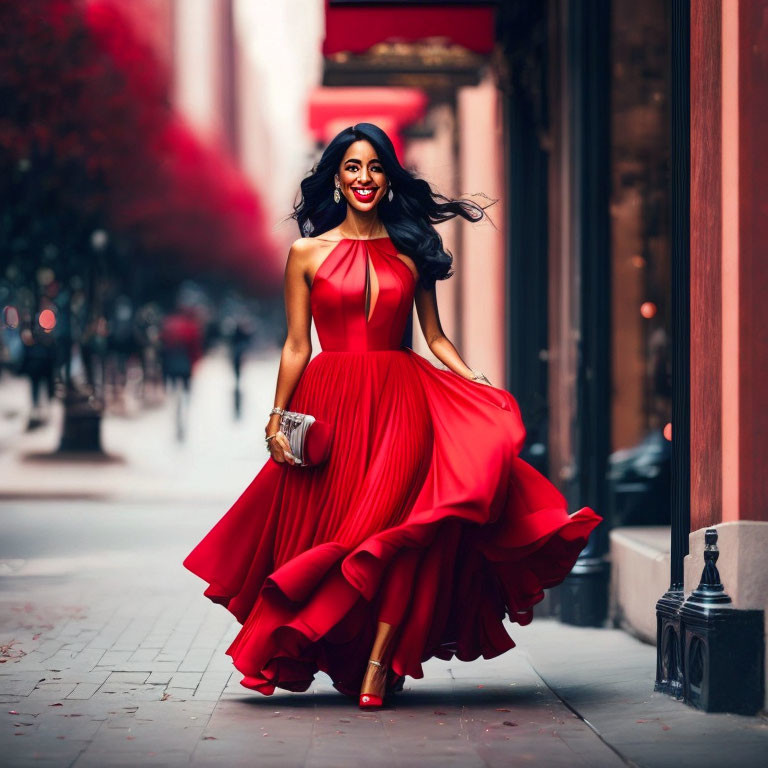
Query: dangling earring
[(337, 193), (390, 194)]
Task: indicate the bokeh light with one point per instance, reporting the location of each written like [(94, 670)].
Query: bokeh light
[(47, 320), (11, 316)]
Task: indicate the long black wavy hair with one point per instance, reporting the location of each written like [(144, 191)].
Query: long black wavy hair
[(409, 217)]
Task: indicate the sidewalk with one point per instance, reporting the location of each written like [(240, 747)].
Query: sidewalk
[(111, 656), (114, 658), (607, 676)]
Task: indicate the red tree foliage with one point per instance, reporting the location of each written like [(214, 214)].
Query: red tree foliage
[(90, 140)]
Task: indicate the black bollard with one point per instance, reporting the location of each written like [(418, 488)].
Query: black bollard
[(723, 646)]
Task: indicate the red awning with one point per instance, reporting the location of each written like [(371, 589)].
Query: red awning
[(357, 28)]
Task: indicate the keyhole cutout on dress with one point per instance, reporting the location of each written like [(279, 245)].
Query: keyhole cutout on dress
[(370, 272)]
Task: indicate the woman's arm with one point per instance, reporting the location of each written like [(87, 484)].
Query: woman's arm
[(297, 348), (438, 342)]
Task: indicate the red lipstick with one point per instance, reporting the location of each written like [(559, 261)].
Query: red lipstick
[(364, 194)]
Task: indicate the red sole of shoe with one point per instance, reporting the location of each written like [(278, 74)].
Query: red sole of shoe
[(369, 701)]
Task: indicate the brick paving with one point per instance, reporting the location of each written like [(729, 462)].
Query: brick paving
[(111, 656)]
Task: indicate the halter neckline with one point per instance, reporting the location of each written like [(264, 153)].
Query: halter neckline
[(364, 239)]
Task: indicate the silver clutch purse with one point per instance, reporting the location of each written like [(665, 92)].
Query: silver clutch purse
[(295, 426), (309, 438)]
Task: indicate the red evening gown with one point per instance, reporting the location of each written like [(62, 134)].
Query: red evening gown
[(424, 516)]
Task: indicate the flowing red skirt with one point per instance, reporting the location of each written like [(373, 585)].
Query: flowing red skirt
[(424, 517)]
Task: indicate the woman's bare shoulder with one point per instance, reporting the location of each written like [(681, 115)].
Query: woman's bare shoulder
[(302, 247), (306, 254)]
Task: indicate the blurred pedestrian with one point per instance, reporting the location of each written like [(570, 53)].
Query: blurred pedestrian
[(240, 340), (182, 346), (147, 330), (93, 349), (121, 345), (39, 365)]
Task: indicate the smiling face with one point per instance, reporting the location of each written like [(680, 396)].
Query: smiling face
[(361, 176)]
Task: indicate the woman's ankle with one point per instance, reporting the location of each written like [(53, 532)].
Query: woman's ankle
[(375, 678)]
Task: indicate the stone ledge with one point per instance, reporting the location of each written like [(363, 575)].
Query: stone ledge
[(640, 564)]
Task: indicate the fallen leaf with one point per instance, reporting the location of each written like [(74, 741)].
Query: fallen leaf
[(209, 738), (509, 722)]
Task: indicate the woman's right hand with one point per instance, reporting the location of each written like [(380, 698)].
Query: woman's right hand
[(279, 447)]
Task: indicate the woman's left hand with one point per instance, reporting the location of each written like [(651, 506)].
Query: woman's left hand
[(481, 378)]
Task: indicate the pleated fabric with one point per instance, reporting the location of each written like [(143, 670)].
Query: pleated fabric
[(424, 516)]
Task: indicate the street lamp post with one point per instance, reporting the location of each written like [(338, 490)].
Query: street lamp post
[(584, 594)]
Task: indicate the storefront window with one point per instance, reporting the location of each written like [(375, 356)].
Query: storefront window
[(640, 257), (639, 221)]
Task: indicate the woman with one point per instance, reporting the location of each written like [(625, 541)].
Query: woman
[(424, 528)]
